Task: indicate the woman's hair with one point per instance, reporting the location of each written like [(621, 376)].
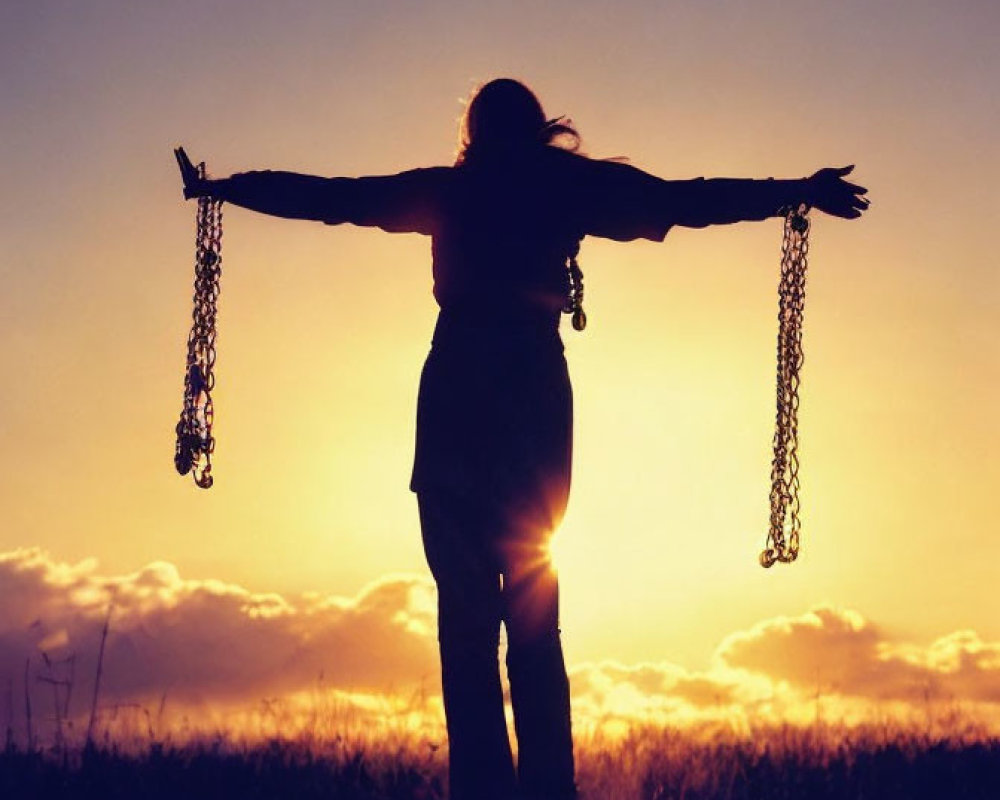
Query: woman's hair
[(505, 115)]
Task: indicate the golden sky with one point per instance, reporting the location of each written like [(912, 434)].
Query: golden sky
[(323, 330)]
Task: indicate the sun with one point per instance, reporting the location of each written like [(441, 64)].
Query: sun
[(555, 549)]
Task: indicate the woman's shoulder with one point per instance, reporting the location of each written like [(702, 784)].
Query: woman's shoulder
[(568, 161), (589, 175)]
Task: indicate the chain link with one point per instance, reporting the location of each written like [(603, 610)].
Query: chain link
[(195, 442), (783, 533), (574, 296)]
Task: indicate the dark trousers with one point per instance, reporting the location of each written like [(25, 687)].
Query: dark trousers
[(492, 565)]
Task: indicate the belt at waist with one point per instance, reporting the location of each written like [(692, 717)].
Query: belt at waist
[(513, 329)]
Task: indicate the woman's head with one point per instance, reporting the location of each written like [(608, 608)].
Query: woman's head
[(503, 116)]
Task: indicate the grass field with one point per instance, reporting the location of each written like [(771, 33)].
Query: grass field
[(647, 763)]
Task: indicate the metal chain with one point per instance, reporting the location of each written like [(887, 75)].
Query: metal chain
[(783, 534), (195, 443), (574, 298)]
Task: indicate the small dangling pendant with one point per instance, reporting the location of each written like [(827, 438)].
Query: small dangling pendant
[(579, 319), (205, 479)]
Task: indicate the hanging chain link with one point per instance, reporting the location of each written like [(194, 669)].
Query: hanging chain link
[(574, 298), (195, 443), (783, 534)]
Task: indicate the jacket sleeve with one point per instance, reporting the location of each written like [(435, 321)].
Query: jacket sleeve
[(624, 203), (408, 202)]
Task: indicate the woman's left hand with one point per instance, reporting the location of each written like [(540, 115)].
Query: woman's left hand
[(829, 192), (194, 184)]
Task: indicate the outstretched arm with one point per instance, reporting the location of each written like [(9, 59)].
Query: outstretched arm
[(621, 202), (402, 203), (699, 203)]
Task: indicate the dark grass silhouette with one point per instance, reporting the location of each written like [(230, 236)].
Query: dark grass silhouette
[(276, 770), (777, 763)]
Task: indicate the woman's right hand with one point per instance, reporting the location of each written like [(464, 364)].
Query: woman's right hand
[(829, 192), (194, 184)]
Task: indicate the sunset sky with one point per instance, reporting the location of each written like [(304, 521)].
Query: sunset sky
[(310, 533)]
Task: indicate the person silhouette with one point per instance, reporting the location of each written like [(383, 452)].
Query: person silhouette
[(492, 463)]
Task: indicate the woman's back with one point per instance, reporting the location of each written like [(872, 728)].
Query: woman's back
[(503, 237)]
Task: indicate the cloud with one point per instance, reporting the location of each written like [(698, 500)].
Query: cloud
[(828, 661), (839, 651), (211, 643), (663, 682), (610, 694), (209, 640)]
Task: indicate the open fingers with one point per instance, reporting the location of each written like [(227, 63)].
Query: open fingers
[(856, 206), (188, 170), (194, 183), (179, 156), (184, 163), (837, 196)]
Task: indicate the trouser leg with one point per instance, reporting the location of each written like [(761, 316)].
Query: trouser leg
[(539, 687), (469, 616)]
